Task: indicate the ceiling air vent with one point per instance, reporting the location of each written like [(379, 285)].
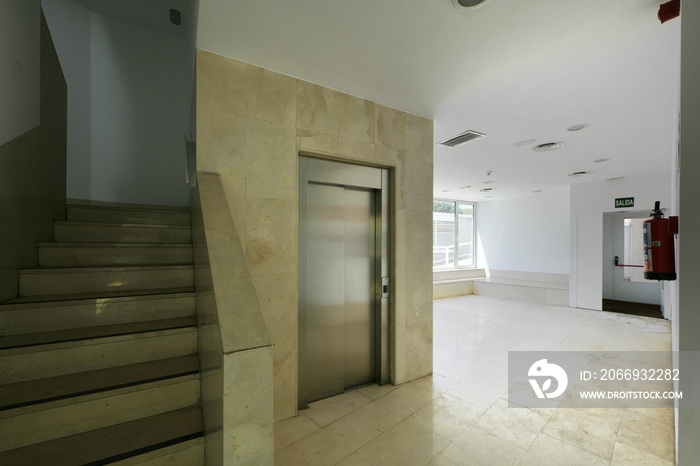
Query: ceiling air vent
[(461, 139)]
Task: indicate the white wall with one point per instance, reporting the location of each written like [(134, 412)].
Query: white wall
[(19, 68), (70, 28), (140, 113), (525, 235), (686, 295), (598, 198)]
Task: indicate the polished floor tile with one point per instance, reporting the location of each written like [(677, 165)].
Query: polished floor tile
[(460, 414)]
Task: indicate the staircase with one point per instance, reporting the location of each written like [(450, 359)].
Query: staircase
[(98, 354)]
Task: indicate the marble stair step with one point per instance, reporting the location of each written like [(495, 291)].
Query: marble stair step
[(55, 419), (188, 453), (97, 232), (113, 443), (47, 281), (47, 314), (89, 333), (105, 254), (84, 383), (24, 363), (124, 214)]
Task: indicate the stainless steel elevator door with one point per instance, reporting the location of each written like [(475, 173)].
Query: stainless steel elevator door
[(341, 279)]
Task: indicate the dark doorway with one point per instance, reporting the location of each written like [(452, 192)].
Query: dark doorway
[(637, 309)]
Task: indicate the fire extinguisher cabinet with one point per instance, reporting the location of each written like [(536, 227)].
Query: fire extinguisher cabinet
[(659, 250)]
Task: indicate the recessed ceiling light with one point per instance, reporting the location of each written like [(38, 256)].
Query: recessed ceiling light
[(537, 191), (615, 178), (468, 3), (489, 182), (578, 174), (576, 127), (600, 160), (524, 143), (465, 187), (548, 146), (487, 190)]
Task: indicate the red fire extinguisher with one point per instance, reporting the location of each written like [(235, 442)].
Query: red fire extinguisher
[(659, 255)]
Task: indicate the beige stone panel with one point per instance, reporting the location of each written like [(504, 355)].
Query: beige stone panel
[(387, 411), (474, 447), (292, 430), (271, 235), (317, 108), (356, 119), (419, 135), (316, 142), (624, 456), (329, 410), (221, 85), (270, 96), (221, 149), (399, 246), (407, 443), (356, 150), (190, 453), (419, 203), (418, 351), (548, 450), (446, 415), (248, 409), (277, 293), (645, 434), (419, 175), (7, 440), (285, 381), (520, 426), (336, 442), (271, 163), (221, 143), (387, 156), (398, 337), (375, 391), (419, 297), (419, 239), (390, 127), (289, 457), (63, 421)]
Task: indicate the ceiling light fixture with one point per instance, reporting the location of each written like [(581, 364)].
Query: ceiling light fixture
[(547, 146), (576, 174), (616, 178), (468, 3), (600, 160), (576, 127), (465, 187), (487, 190), (489, 182)]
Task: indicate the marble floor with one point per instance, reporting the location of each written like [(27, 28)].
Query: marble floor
[(460, 416)]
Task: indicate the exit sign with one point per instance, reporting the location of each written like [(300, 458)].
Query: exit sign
[(621, 202)]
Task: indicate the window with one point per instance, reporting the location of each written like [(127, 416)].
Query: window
[(453, 234)]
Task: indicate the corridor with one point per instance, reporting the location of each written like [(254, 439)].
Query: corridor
[(460, 414)]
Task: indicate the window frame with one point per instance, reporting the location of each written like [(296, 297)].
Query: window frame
[(455, 240)]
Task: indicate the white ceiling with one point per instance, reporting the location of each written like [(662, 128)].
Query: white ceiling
[(512, 69)]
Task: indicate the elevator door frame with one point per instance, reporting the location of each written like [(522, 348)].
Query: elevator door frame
[(328, 172)]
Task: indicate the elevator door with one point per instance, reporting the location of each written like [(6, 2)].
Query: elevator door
[(340, 304)]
